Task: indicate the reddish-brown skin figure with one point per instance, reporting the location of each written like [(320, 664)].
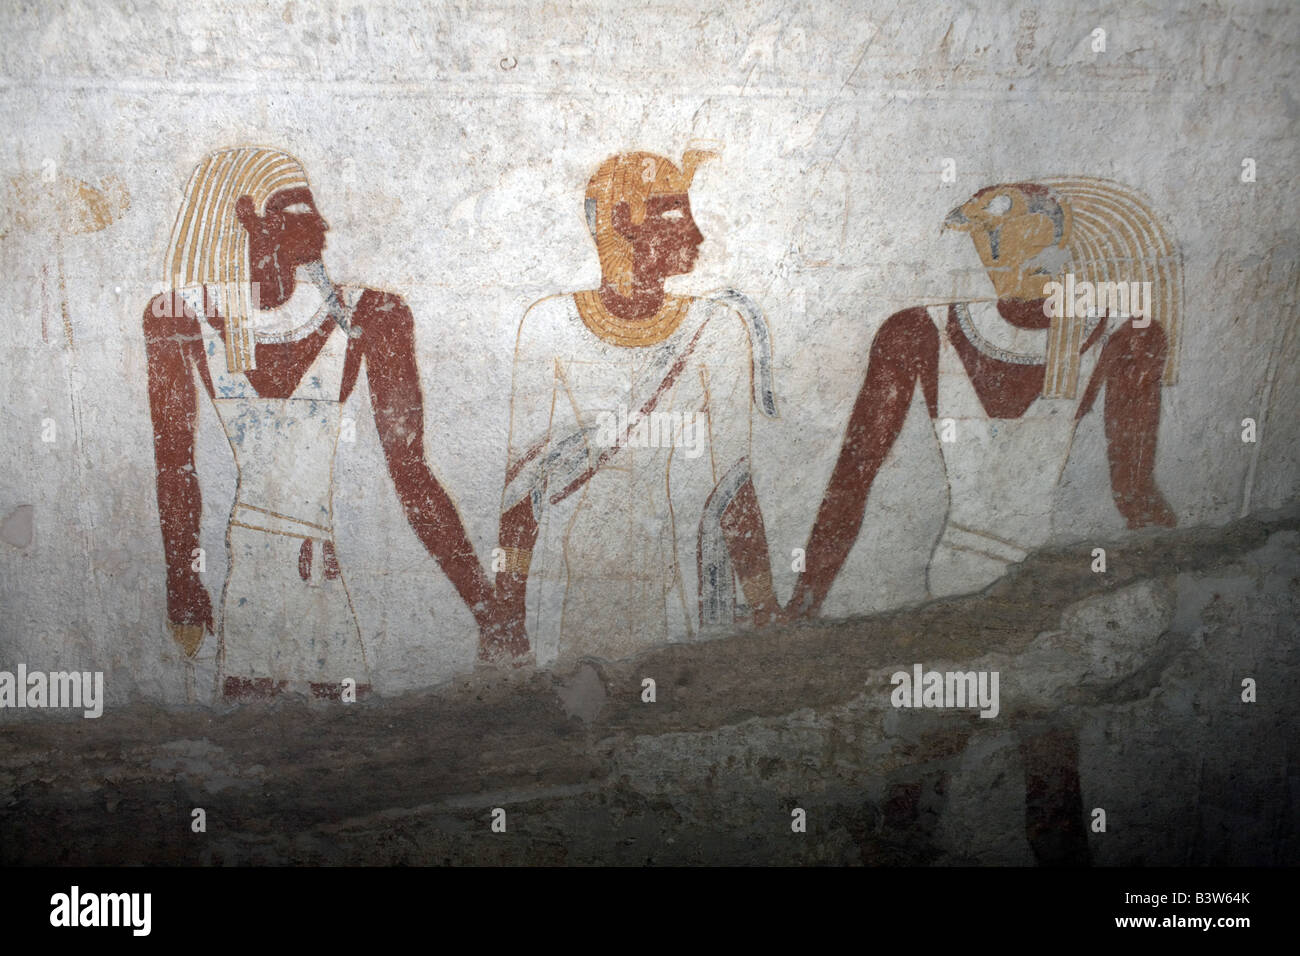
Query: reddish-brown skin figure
[(663, 246), (289, 234), (905, 352)]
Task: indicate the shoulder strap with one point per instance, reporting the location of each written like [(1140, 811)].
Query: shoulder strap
[(341, 304), (679, 363), (760, 342)]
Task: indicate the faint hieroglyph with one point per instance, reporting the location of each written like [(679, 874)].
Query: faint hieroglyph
[(50, 206)]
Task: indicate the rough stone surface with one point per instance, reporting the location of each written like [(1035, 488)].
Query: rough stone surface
[(745, 730)]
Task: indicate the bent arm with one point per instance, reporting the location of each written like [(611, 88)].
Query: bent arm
[(532, 396), (388, 340), (1130, 366), (729, 370)]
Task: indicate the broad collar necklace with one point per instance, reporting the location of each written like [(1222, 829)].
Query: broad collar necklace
[(651, 330)]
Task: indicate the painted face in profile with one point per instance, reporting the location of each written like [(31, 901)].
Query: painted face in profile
[(291, 229), (1014, 235), (665, 243)]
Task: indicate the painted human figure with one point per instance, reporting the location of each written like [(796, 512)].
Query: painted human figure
[(278, 348), (629, 511), (1000, 378)]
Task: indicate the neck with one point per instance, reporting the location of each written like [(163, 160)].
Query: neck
[(1024, 313), (275, 282), (645, 300), (275, 285), (314, 274)]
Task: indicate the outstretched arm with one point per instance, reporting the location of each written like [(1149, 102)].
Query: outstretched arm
[(905, 351), (173, 342), (388, 343)]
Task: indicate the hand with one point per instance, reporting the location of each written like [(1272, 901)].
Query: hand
[(502, 635), (803, 605), (188, 636), (1149, 509), (768, 612), (189, 616)]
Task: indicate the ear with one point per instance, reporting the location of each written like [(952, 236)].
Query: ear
[(245, 213), (621, 220)]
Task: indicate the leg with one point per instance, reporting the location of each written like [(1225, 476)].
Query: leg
[(1053, 797)]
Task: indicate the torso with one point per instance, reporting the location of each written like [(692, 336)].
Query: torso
[(1010, 444), (285, 611), (627, 590), (282, 418)]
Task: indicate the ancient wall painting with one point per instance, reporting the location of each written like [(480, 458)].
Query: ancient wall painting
[(52, 206), (1087, 296), (629, 512), (629, 516), (55, 213), (253, 321)]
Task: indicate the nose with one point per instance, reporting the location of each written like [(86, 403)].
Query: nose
[(955, 220)]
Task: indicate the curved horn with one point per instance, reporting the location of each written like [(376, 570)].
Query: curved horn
[(691, 160)]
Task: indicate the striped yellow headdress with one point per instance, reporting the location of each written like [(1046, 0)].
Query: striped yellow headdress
[(209, 246), (631, 178), (1110, 234)]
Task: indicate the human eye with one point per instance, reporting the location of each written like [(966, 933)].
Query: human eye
[(298, 208), (672, 214)]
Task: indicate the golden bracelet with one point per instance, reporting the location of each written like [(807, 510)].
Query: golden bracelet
[(517, 560)]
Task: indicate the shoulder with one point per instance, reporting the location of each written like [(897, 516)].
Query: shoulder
[(724, 319), (550, 319), (173, 313), (908, 327), (372, 302), (376, 311)]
